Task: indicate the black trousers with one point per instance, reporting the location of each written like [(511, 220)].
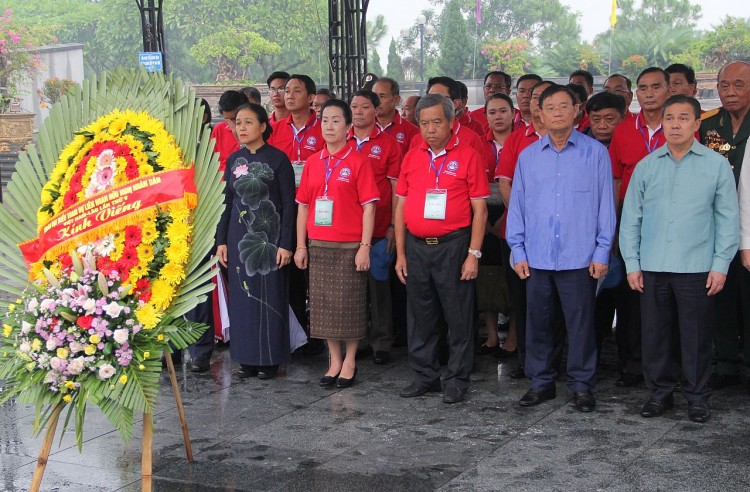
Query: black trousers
[(663, 295), (433, 286), (733, 323), (575, 290), (203, 348)]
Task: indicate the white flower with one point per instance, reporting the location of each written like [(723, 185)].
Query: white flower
[(51, 344), (48, 305), (25, 327), (105, 245), (50, 377), (106, 371), (25, 347), (121, 335), (89, 305), (75, 347), (113, 309), (57, 364), (75, 366), (32, 305)]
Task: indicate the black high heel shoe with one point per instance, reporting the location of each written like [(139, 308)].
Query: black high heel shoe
[(344, 382), (328, 381)]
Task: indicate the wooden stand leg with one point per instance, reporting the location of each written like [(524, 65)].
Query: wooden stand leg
[(180, 408), (41, 462), (146, 457)]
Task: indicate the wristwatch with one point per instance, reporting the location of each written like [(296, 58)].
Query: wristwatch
[(476, 253)]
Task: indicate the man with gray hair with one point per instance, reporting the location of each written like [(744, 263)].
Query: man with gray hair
[(440, 218)]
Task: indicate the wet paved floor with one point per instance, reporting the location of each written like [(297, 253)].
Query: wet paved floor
[(290, 435)]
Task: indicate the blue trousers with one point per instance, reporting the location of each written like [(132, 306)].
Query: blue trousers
[(576, 291)]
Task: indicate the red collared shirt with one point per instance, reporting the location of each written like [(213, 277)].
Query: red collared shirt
[(584, 124), (351, 185), (463, 176), (297, 145), (401, 130), (384, 156), (519, 124), (467, 121), (631, 143), (486, 153), (512, 148), (226, 143)]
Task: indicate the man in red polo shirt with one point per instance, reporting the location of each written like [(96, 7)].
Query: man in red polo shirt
[(494, 82), (384, 155), (633, 140), (223, 133), (276, 87), (441, 214), (623, 87), (462, 112), (514, 144), (298, 136), (389, 120), (523, 116), (447, 87)]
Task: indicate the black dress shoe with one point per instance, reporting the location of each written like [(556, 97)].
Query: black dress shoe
[(346, 382), (267, 372), (719, 381), (381, 357), (535, 397), (198, 365), (364, 352), (247, 371), (627, 380), (655, 408), (453, 395), (584, 401), (698, 411), (415, 389), (328, 381), (519, 373)]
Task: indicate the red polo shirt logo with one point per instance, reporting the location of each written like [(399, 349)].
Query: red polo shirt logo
[(344, 174), (311, 142)]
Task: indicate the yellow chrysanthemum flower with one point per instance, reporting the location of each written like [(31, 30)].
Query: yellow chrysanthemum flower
[(7, 330), (117, 126), (172, 273), (160, 337), (70, 385), (177, 252), (123, 379), (148, 232), (67, 398), (161, 293), (147, 316)]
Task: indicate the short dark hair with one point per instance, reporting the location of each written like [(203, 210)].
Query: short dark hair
[(261, 114), (453, 89), (528, 76), (431, 100), (393, 83), (277, 75), (231, 100), (306, 80), (556, 89), (327, 92), (606, 100), (585, 74), (649, 70), (499, 95), (374, 99), (540, 83), (688, 72), (464, 90), (338, 103), (628, 82), (506, 78), (680, 99), (251, 92), (580, 91)]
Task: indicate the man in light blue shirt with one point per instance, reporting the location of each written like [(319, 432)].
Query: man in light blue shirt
[(679, 232), (560, 228)]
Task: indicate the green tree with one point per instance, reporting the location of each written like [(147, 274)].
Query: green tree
[(727, 42), (373, 64), (395, 68), (453, 61), (232, 51)]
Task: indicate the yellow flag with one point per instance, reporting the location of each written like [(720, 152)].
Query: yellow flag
[(613, 15)]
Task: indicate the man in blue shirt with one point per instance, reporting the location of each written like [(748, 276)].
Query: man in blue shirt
[(561, 223), (679, 232)]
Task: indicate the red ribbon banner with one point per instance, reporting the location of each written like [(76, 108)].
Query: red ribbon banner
[(115, 204)]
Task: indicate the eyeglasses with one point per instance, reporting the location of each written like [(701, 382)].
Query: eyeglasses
[(277, 90), (560, 107), (495, 87)]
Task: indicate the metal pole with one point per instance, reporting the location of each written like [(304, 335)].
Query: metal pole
[(421, 52)]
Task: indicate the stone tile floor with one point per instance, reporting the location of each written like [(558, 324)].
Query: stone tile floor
[(290, 435)]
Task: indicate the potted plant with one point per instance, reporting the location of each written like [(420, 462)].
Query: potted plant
[(18, 62), (53, 90)]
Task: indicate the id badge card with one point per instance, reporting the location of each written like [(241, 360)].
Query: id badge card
[(435, 203), (323, 211), (298, 166)]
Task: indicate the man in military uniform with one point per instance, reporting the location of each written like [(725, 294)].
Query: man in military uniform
[(726, 130)]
